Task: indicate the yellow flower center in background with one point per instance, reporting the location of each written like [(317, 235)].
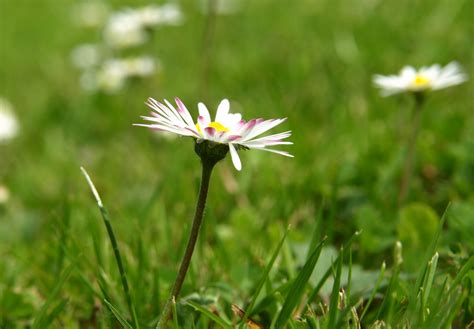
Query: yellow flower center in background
[(216, 125), (421, 81)]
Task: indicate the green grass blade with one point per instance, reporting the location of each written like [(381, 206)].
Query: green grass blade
[(209, 314), (264, 278), (113, 241), (388, 293), (297, 288), (374, 291), (174, 311), (427, 284), (54, 314), (326, 275), (316, 236), (450, 314), (349, 279), (40, 318), (435, 314), (413, 297), (464, 270), (333, 303), (430, 252), (116, 313)]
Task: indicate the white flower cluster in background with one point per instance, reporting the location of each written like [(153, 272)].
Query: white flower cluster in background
[(120, 30), (9, 126), (114, 72), (129, 27)]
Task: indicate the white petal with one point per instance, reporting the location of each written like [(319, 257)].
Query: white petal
[(178, 131), (274, 137), (253, 144), (162, 110), (408, 72), (231, 120), (390, 84), (222, 110), (235, 157), (274, 151)]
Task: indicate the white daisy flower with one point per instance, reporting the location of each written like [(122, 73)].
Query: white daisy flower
[(8, 122), (226, 128), (426, 78)]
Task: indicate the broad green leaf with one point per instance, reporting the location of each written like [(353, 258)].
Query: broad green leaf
[(416, 227)]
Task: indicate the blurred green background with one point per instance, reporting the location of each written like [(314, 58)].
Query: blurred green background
[(310, 61)]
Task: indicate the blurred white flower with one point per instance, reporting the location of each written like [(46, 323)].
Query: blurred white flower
[(426, 78), (90, 14), (111, 77), (114, 72), (127, 28), (226, 128), (139, 66), (124, 29), (86, 56), (4, 194), (152, 15), (8, 122)]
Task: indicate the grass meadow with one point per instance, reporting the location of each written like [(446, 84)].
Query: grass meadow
[(314, 241)]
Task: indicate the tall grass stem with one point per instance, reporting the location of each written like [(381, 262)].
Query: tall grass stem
[(113, 241)]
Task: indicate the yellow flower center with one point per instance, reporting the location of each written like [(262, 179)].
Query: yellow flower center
[(216, 125), (421, 81)]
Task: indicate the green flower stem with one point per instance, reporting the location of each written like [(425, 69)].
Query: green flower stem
[(409, 159), (207, 167)]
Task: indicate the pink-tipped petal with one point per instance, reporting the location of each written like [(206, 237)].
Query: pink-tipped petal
[(209, 133), (204, 112), (202, 122), (183, 111), (233, 138), (173, 110), (247, 127), (262, 127)]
